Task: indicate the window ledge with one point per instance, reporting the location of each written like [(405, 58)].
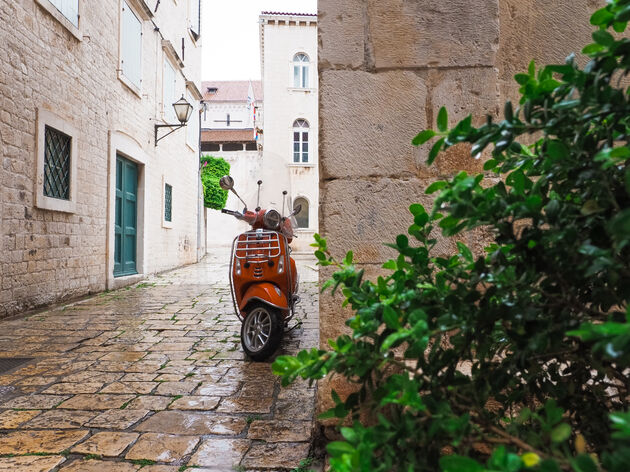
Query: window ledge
[(129, 84), (301, 164), (299, 89), (167, 224), (57, 15)]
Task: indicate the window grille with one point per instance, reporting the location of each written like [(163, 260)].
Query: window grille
[(57, 147), (168, 202)]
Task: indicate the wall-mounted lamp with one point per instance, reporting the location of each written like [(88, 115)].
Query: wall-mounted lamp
[(183, 110)]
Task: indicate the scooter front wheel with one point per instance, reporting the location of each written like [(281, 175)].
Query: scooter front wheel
[(261, 331)]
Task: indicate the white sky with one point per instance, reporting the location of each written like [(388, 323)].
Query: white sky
[(229, 28)]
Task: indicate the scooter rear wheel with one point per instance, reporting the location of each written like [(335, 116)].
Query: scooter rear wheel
[(261, 331)]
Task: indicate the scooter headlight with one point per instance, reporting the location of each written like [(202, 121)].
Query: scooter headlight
[(272, 219)]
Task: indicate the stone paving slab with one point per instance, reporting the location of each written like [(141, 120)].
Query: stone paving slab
[(153, 378)]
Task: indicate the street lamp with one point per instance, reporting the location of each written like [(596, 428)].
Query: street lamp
[(183, 110)]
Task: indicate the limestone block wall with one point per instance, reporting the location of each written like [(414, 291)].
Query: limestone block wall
[(45, 68), (386, 67)]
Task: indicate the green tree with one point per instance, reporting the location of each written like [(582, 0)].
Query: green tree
[(212, 169), (516, 359)]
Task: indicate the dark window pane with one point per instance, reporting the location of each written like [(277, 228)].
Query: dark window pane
[(296, 157), (251, 147), (233, 146), (209, 147), (302, 216), (57, 147), (296, 136), (305, 136)]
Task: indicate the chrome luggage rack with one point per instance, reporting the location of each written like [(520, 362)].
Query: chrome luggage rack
[(267, 245), (258, 246)]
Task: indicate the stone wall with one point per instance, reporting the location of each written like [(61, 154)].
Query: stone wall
[(46, 255), (386, 67)]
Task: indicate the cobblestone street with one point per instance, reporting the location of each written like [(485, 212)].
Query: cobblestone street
[(152, 377)]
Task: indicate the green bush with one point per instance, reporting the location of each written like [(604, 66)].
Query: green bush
[(516, 359), (212, 169)]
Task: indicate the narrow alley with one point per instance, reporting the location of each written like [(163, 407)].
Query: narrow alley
[(154, 377)]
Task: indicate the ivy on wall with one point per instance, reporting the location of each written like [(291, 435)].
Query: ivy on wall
[(212, 169)]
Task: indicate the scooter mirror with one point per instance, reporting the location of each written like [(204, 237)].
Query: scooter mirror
[(226, 182), (297, 209)]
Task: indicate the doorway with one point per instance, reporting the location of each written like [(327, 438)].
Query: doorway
[(126, 218)]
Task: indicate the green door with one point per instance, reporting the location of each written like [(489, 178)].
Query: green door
[(126, 217)]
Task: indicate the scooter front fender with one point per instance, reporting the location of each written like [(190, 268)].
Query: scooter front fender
[(265, 292)]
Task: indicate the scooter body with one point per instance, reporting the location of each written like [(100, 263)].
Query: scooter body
[(263, 271), (263, 277)]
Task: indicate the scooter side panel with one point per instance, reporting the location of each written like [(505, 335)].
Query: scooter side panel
[(265, 292)]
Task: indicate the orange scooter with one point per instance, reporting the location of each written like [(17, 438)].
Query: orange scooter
[(263, 276)]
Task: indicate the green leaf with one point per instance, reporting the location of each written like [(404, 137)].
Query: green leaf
[(402, 241), (561, 433), (603, 37), (465, 252), (394, 338), (391, 265), (348, 259), (601, 17), (531, 69), (435, 150), (350, 435), (338, 448), (459, 464), (592, 49), (584, 463), (508, 111), (423, 137), (623, 15), (490, 164), (522, 79), (435, 186), (416, 209), (620, 26), (442, 119), (557, 149), (390, 317)]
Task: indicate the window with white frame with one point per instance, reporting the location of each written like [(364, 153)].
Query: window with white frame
[(56, 182), (168, 92), (131, 46), (300, 70), (192, 127), (69, 9), (300, 141)]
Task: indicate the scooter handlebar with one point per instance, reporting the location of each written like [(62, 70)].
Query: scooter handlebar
[(233, 213)]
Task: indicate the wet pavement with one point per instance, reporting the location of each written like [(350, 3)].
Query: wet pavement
[(153, 377)]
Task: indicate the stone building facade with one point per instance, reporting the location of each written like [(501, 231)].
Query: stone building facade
[(89, 202), (288, 45), (386, 67)]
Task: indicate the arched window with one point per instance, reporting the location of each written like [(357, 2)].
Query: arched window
[(302, 216), (300, 140), (300, 70)]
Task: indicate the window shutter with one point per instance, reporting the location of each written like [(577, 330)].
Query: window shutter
[(195, 16), (131, 46), (69, 9)]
